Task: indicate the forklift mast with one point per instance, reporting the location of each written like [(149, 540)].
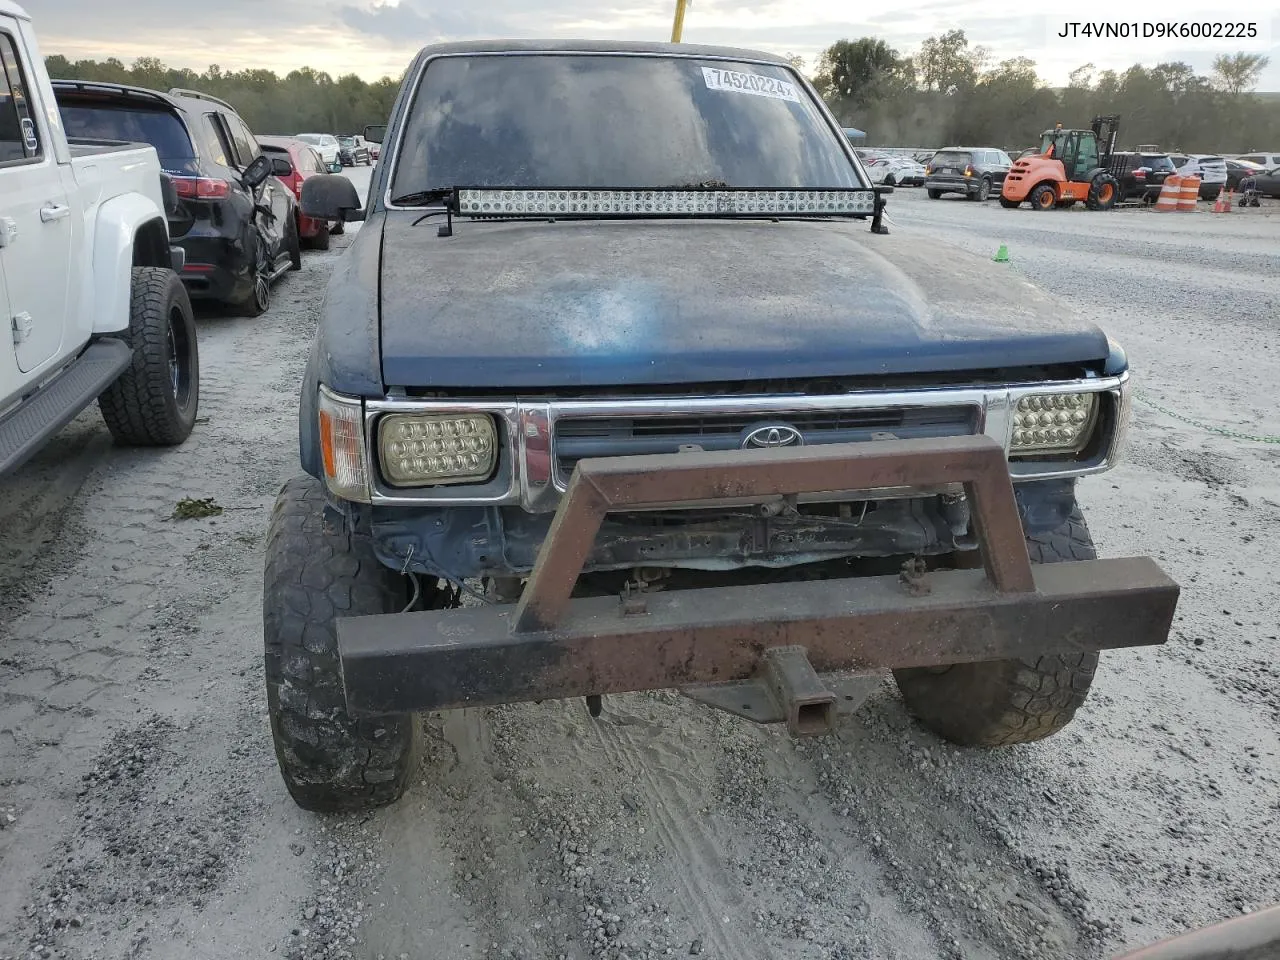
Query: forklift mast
[(1107, 131)]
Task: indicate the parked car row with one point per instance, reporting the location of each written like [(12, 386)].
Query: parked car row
[(239, 232), (979, 172), (341, 151)]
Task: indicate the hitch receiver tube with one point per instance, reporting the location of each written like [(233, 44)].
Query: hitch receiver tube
[(809, 706)]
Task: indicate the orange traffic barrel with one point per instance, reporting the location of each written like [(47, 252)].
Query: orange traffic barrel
[(1169, 193), (1189, 193)]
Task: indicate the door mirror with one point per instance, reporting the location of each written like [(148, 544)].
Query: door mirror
[(330, 197), (256, 173), (280, 167), (375, 133)]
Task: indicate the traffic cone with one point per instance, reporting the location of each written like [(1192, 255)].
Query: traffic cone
[(1002, 255), (1226, 206), (1223, 202)]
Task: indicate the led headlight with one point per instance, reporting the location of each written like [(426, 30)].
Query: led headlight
[(1053, 423), (428, 449)]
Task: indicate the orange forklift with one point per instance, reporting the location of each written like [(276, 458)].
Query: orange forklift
[(1072, 165)]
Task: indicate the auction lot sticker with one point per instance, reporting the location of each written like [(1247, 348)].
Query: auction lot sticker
[(752, 83)]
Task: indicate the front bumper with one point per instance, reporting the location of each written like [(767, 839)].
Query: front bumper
[(765, 643)]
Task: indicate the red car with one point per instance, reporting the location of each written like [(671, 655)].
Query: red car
[(314, 234)]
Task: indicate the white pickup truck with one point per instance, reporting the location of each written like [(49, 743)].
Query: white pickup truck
[(95, 308)]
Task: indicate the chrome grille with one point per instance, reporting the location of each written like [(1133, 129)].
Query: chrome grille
[(579, 437)]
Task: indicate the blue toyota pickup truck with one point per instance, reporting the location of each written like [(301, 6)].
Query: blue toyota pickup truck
[(624, 384)]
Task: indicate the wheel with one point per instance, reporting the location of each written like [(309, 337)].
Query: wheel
[(153, 403), (294, 245), (258, 301), (368, 161), (934, 194), (1104, 190), (1008, 204), (983, 192), (1043, 197), (890, 181), (321, 240), (316, 573), (1008, 701), (338, 228)]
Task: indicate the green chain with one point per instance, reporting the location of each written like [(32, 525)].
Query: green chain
[(1221, 431)]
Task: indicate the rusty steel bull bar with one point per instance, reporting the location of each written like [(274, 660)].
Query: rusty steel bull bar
[(757, 650)]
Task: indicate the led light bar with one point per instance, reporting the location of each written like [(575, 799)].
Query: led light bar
[(673, 203)]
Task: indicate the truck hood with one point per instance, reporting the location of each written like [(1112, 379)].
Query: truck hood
[(531, 304)]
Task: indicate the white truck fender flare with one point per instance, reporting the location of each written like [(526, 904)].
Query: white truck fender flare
[(118, 223)]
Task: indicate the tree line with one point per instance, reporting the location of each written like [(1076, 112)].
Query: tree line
[(946, 92), (301, 101), (950, 92)]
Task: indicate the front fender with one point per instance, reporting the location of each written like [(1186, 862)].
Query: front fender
[(346, 354), (309, 415), (118, 223)]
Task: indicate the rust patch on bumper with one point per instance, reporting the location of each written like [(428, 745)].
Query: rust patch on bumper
[(550, 646)]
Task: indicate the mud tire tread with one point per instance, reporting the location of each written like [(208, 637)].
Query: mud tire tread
[(316, 573), (1008, 701)]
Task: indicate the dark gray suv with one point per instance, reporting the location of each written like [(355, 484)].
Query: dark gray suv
[(977, 172)]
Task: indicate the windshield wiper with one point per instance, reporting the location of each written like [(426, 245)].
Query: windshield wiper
[(420, 197)]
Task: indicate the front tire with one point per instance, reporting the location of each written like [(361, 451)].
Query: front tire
[(338, 229), (1104, 191), (934, 194), (1009, 204), (154, 402), (1043, 197), (1003, 702), (317, 572)]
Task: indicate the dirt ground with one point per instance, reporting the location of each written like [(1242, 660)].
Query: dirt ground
[(142, 816)]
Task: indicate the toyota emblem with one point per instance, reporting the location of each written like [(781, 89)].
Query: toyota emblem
[(773, 435)]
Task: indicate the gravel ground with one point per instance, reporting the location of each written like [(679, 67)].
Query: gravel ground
[(141, 814)]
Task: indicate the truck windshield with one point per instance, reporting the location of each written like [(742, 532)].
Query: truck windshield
[(158, 127), (632, 122)]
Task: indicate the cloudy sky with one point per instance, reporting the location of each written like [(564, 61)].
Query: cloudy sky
[(378, 37)]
